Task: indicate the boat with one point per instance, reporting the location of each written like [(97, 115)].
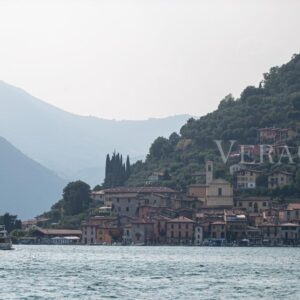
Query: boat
[(5, 240)]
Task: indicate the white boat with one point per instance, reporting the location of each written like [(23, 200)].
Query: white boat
[(5, 240)]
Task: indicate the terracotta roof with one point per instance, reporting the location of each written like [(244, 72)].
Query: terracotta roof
[(281, 172), (142, 221), (59, 231), (289, 224), (267, 225), (218, 223), (181, 220), (293, 206), (254, 199), (146, 190)]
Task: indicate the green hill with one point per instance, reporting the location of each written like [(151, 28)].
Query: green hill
[(275, 102)]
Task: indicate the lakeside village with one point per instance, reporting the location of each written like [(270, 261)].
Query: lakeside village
[(208, 214)]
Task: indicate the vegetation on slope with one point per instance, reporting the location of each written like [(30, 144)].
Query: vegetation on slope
[(275, 102)]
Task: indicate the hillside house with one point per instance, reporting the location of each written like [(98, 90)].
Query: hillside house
[(279, 179)]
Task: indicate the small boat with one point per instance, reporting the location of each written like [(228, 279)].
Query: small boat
[(5, 240)]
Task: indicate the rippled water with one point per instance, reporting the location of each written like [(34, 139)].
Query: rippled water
[(82, 272)]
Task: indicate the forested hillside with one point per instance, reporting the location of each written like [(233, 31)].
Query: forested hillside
[(274, 102)]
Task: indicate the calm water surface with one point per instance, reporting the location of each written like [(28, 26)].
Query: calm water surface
[(82, 272)]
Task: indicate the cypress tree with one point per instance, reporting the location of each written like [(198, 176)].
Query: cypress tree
[(128, 167), (116, 172)]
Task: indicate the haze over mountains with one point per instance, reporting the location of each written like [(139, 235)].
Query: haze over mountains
[(74, 146), (71, 146), (26, 187)]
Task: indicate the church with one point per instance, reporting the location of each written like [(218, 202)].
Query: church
[(215, 192)]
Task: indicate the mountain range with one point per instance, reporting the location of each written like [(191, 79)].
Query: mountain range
[(74, 146), (26, 187), (43, 147)]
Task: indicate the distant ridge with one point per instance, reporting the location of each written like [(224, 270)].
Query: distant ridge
[(74, 146), (26, 187)]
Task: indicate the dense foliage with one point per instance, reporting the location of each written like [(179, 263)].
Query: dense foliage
[(116, 172), (275, 102), (72, 209), (10, 222)]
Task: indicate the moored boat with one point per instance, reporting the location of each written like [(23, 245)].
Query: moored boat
[(5, 240)]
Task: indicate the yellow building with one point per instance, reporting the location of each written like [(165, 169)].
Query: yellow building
[(253, 204), (246, 179), (215, 193)]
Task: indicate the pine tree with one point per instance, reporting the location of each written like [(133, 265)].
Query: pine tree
[(128, 167)]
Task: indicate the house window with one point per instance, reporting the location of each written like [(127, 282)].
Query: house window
[(179, 226), (172, 234), (119, 208), (187, 226), (127, 208), (240, 204), (220, 191), (250, 204), (264, 204), (118, 200), (172, 226), (186, 234), (129, 200)]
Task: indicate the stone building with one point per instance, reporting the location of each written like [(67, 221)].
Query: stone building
[(279, 179), (180, 231)]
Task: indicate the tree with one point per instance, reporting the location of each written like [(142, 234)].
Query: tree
[(128, 167), (116, 172), (295, 98), (161, 148), (76, 198), (298, 179), (97, 188), (262, 181), (10, 222)]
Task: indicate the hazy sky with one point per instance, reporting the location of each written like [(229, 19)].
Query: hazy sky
[(134, 59)]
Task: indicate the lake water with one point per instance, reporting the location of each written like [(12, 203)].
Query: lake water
[(83, 272)]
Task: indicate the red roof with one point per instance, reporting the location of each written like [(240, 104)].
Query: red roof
[(145, 190), (293, 206), (181, 220), (59, 232), (218, 223)]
